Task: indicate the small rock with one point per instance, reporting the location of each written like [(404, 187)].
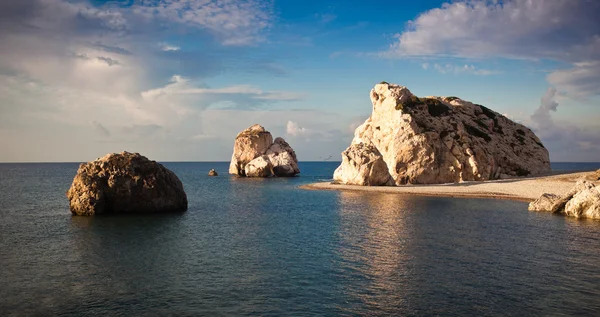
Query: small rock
[(212, 172)]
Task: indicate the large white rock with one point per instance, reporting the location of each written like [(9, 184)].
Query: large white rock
[(363, 165), (256, 143), (583, 201), (447, 139)]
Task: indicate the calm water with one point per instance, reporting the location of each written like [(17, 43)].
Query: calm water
[(264, 247)]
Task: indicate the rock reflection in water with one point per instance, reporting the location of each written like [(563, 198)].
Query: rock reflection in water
[(373, 250)]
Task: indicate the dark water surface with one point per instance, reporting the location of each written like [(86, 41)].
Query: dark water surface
[(265, 247)]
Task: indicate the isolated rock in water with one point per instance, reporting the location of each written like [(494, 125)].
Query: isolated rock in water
[(362, 165), (259, 167), (583, 201), (249, 144), (544, 203), (212, 172), (256, 142), (283, 158), (125, 183), (446, 139)]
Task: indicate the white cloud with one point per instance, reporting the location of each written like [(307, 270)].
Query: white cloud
[(559, 30), (294, 129), (182, 86), (461, 69), (235, 22), (169, 48), (582, 80)]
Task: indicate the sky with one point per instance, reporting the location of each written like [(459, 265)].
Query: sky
[(177, 80)]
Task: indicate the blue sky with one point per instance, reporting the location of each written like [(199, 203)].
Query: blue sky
[(177, 80)]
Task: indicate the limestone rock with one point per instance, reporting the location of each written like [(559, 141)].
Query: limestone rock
[(584, 204), (249, 144), (259, 167), (256, 142), (363, 165), (283, 158), (544, 203), (212, 172), (446, 139), (125, 183), (583, 201)]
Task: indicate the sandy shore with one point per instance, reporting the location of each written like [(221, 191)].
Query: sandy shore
[(525, 189)]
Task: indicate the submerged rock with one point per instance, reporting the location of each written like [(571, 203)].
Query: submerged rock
[(583, 201), (363, 165), (255, 147), (125, 183), (212, 172), (445, 140)]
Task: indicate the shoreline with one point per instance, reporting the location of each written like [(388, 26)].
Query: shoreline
[(520, 189)]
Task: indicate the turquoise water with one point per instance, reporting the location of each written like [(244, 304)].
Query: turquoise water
[(265, 247)]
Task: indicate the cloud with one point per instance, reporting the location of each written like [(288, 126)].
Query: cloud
[(582, 80), (565, 141), (169, 48), (235, 22), (294, 129), (326, 17), (458, 69), (240, 95), (542, 117), (559, 30)]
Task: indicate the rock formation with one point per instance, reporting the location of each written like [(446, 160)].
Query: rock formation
[(255, 154), (583, 201), (362, 164), (125, 183), (443, 140), (212, 172)]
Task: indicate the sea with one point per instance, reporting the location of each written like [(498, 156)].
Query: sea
[(265, 247)]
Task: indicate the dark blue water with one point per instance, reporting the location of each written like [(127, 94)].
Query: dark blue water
[(265, 247)]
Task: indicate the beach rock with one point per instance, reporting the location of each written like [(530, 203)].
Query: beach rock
[(544, 203), (446, 139), (584, 204), (362, 164), (125, 183), (583, 201), (259, 167), (212, 172), (256, 142)]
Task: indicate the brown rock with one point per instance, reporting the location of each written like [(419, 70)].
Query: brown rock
[(125, 183)]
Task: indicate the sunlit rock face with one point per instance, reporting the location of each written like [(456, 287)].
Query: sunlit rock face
[(125, 183), (583, 201), (446, 140), (255, 154), (362, 164)]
